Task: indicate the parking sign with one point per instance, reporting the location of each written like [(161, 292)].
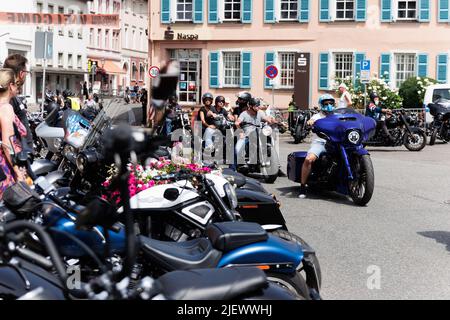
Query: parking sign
[(365, 65)]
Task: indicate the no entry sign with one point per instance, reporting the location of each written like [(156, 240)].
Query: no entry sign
[(271, 72), (153, 72)]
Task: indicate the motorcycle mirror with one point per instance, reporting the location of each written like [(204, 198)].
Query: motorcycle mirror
[(171, 194)]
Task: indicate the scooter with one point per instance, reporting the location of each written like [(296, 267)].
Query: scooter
[(346, 166)]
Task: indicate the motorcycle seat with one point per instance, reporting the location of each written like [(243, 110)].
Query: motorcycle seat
[(230, 235), (212, 284), (192, 254), (160, 153)]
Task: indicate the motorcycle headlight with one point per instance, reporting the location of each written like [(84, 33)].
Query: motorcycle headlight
[(58, 143), (267, 131), (354, 136), (231, 195)]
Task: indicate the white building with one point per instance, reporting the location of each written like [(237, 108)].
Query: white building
[(68, 67), (18, 39), (104, 46), (134, 26)]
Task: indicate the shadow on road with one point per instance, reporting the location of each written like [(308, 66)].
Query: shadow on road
[(292, 192), (387, 150), (442, 237)]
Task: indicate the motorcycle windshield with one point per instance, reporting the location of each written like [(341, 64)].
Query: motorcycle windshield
[(338, 124), (76, 128)]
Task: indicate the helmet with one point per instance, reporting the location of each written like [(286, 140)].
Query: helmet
[(254, 102), (207, 96), (244, 96), (219, 99), (373, 95), (323, 100), (172, 98)]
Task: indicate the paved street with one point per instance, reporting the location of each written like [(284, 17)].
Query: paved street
[(404, 230)]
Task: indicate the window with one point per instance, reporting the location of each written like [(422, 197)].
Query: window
[(343, 65), (134, 72), (232, 10), (405, 67), (141, 43), (99, 37), (69, 61), (107, 39), (232, 69), (288, 9), (100, 6), (60, 59), (407, 10), (184, 10), (116, 6), (107, 6), (39, 7), (441, 93), (51, 8), (61, 10), (287, 70), (345, 9), (91, 37), (80, 34), (133, 39), (126, 38), (141, 72), (79, 62)]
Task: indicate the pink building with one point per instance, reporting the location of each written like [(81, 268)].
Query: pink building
[(224, 45)]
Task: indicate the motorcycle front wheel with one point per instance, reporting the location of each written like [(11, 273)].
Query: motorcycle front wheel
[(416, 141), (361, 187), (271, 173)]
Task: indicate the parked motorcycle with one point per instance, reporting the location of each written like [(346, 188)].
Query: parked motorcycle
[(401, 132), (346, 166), (440, 126)]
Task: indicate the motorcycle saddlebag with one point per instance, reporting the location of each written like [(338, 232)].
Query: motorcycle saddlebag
[(21, 199), (294, 165)]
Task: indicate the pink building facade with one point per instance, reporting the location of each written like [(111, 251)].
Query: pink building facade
[(224, 46)]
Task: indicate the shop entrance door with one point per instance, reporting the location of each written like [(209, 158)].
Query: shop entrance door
[(188, 90)]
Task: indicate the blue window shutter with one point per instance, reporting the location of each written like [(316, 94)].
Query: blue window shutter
[(324, 14), (385, 66), (269, 11), (247, 8), (303, 10), (198, 11), (214, 69), (424, 10), (323, 71), (270, 59), (386, 10), (361, 10), (442, 65), (165, 11), (246, 69), (443, 15), (213, 13), (422, 65), (359, 57)]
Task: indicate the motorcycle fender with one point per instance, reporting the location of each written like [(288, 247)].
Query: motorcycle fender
[(416, 129), (43, 166), (54, 176), (361, 152), (279, 255)]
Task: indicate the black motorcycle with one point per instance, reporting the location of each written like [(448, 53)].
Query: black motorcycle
[(401, 133), (440, 126), (299, 127)]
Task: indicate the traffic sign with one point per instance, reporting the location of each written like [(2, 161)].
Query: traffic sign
[(153, 72), (365, 65), (272, 72)]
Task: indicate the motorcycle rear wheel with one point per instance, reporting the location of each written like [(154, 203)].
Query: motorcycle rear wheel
[(419, 144), (361, 188), (298, 134)]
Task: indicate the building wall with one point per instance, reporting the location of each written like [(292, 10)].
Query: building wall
[(134, 18), (371, 37)]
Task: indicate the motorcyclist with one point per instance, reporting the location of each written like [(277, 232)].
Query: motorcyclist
[(206, 119), (374, 110), (326, 105), (242, 101), (219, 109), (171, 111), (252, 115)]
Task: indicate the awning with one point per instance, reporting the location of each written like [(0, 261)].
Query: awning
[(110, 67)]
